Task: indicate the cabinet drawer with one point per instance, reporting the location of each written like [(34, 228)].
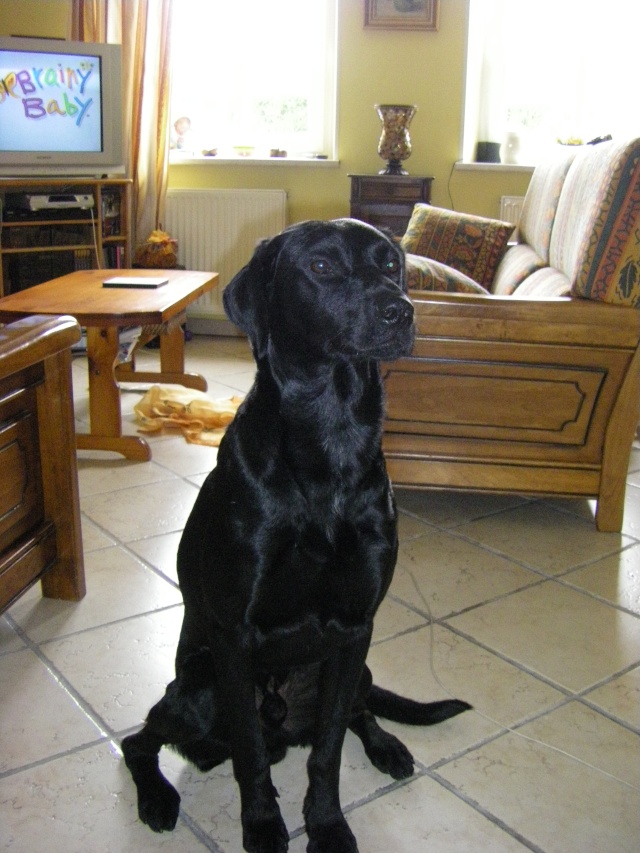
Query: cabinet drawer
[(385, 190)]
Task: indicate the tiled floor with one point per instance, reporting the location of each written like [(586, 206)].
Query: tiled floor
[(536, 622)]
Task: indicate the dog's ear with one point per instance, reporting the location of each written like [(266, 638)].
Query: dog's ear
[(245, 298)]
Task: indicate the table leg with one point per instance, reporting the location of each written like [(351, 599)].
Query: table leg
[(171, 364), (104, 400)]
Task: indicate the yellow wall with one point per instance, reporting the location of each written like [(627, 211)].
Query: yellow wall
[(375, 66), (34, 18)]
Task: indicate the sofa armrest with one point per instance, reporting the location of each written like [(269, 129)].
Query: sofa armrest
[(547, 320), (507, 395)]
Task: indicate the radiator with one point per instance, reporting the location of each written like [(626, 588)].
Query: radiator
[(510, 210), (218, 230)]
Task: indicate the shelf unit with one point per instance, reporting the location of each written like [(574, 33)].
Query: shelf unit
[(39, 245)]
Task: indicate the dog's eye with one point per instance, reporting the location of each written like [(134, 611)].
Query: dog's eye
[(320, 267), (392, 266)]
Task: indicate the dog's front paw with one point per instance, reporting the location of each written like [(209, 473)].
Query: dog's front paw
[(268, 835), (334, 837), (159, 806)]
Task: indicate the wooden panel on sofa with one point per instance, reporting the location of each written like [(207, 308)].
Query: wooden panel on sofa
[(506, 395), (40, 536)]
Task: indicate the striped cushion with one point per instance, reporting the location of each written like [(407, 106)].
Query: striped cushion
[(541, 200), (425, 274), (519, 262), (545, 282), (596, 236), (470, 244)]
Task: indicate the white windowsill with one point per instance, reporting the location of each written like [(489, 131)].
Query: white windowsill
[(199, 160), (466, 166)]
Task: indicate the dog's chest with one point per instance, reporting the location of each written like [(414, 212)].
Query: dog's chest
[(319, 590)]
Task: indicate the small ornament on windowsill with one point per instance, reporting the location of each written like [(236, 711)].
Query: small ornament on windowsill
[(395, 143)]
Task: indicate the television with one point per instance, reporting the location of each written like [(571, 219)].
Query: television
[(60, 108)]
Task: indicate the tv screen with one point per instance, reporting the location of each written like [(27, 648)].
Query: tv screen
[(60, 107)]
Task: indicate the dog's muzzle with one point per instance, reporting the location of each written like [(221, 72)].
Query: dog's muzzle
[(395, 328), (396, 312)]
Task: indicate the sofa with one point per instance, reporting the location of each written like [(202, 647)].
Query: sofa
[(525, 374)]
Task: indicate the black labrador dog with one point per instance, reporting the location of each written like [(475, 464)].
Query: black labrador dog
[(292, 543)]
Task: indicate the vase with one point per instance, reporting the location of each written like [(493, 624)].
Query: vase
[(510, 148), (395, 143)]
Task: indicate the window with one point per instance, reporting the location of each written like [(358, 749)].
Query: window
[(251, 77), (551, 69)]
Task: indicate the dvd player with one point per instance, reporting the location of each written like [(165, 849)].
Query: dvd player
[(54, 201)]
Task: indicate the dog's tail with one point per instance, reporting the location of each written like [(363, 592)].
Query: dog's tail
[(384, 703)]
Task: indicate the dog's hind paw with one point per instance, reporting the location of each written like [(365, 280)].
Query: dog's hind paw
[(159, 808)]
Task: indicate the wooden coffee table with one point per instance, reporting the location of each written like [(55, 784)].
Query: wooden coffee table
[(103, 311)]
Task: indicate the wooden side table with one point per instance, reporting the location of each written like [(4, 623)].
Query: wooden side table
[(387, 201), (103, 311)]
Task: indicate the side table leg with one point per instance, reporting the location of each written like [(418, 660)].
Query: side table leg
[(171, 365), (104, 400)]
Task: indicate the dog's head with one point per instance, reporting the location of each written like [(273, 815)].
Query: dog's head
[(323, 290)]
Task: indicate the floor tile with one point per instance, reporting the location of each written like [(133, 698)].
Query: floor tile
[(557, 803), (409, 665), (561, 634), (74, 674), (631, 520), (38, 718), (118, 586), (161, 552), (99, 476), (177, 455), (444, 574), (423, 816), (212, 799), (122, 669), (450, 509), (9, 640), (93, 539), (394, 618), (620, 698), (533, 534), (79, 803), (134, 513), (410, 527), (615, 578)]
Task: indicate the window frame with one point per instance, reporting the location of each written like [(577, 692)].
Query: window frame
[(325, 156)]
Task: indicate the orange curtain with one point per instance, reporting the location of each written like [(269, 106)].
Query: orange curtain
[(143, 28)]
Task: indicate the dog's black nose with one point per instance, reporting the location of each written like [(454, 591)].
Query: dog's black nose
[(397, 311)]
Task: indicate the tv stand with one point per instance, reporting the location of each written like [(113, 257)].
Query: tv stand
[(47, 242)]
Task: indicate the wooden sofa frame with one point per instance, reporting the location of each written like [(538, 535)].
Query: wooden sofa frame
[(40, 532), (505, 395)]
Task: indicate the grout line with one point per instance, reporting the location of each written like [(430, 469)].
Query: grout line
[(474, 804), (34, 645), (425, 614), (65, 753)]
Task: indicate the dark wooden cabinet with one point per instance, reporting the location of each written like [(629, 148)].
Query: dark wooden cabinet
[(387, 201)]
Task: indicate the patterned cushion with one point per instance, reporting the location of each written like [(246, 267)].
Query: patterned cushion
[(596, 235), (518, 263), (425, 274), (541, 200), (470, 244)]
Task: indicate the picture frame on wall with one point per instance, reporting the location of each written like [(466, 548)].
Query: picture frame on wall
[(401, 14)]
